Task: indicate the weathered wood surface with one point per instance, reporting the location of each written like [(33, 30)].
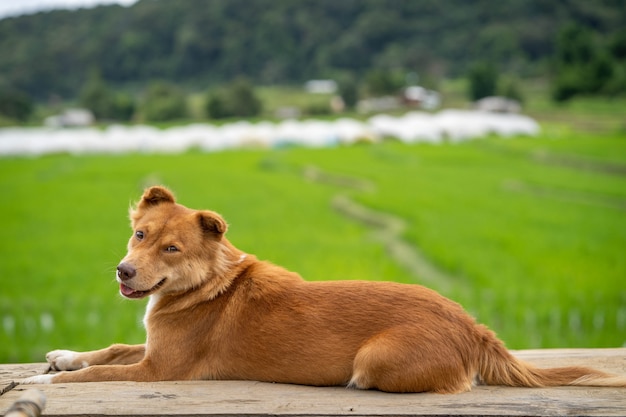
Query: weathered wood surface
[(30, 404), (11, 374), (227, 398)]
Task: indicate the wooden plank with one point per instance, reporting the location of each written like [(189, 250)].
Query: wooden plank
[(30, 404), (227, 398), (222, 398), (9, 374), (608, 360)]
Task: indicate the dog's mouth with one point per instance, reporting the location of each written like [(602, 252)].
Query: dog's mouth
[(128, 292)]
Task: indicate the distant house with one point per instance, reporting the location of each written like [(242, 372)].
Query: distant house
[(498, 104), (321, 86), (417, 96), (71, 118)]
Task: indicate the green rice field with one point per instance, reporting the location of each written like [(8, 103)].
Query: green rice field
[(528, 234)]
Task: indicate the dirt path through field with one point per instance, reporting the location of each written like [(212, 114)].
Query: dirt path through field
[(579, 163), (386, 228), (572, 196)]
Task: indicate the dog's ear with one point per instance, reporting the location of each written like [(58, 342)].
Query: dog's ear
[(156, 195), (211, 223), (152, 197)]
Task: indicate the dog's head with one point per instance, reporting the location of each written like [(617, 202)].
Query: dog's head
[(172, 248)]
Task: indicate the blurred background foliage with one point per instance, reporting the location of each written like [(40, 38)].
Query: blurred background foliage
[(575, 46)]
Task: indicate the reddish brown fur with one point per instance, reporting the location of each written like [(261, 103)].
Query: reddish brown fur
[(221, 314)]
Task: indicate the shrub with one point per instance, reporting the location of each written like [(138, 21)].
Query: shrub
[(104, 102), (349, 92), (15, 105), (509, 87), (382, 82), (583, 66), (163, 102), (237, 99), (483, 80)]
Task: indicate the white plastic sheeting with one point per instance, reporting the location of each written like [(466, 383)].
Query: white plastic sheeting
[(450, 125)]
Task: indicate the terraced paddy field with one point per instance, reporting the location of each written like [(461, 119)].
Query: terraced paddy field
[(529, 234)]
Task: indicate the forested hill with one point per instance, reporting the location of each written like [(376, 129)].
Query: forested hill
[(286, 41)]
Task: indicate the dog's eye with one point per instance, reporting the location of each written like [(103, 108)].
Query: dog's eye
[(139, 235), (171, 248)]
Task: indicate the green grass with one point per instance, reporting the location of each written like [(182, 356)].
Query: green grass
[(530, 262), (536, 247), (275, 97)]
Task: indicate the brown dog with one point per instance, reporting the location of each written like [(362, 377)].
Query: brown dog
[(218, 313)]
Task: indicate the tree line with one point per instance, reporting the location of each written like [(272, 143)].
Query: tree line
[(195, 44)]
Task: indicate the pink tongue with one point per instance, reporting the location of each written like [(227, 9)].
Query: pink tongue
[(126, 290)]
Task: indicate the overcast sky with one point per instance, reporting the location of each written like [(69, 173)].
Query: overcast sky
[(18, 7)]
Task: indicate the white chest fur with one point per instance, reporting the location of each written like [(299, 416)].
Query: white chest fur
[(154, 298)]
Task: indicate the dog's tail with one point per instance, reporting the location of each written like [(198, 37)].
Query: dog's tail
[(498, 367)]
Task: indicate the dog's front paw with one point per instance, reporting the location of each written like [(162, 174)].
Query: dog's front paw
[(39, 379), (65, 360)]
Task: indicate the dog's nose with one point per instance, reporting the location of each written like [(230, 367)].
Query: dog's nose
[(126, 271)]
